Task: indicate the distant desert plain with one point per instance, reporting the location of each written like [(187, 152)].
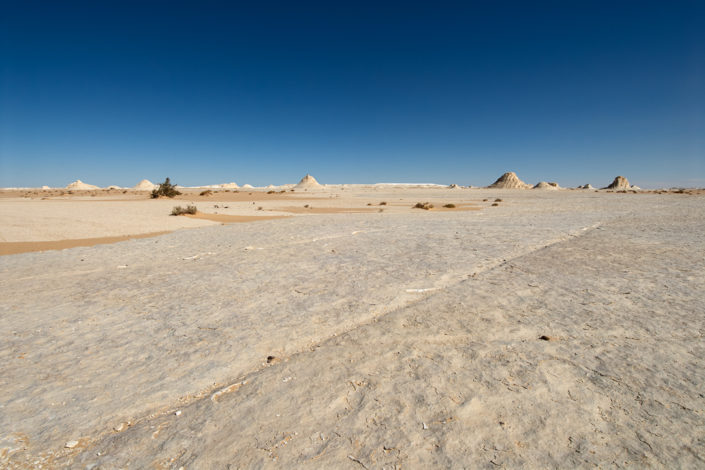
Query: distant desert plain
[(352, 326)]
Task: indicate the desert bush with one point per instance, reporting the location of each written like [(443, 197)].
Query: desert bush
[(178, 210), (498, 200), (382, 203), (423, 205), (207, 192), (495, 204), (166, 189), (449, 206)]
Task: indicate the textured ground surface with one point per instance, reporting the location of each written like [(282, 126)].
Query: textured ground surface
[(396, 340)]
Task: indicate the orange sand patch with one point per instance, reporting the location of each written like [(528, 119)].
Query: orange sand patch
[(327, 210), (12, 248), (233, 219)]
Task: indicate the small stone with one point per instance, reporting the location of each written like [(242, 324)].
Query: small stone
[(121, 427), (71, 444), (178, 413)]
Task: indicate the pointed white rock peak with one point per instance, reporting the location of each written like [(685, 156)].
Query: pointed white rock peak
[(144, 185), (509, 180), (308, 181)]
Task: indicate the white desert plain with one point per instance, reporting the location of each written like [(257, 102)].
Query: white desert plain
[(353, 326)]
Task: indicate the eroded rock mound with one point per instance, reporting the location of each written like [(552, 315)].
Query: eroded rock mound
[(144, 185), (78, 184), (307, 182), (545, 185), (509, 180), (619, 182)]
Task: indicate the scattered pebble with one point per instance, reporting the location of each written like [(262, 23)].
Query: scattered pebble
[(71, 444)]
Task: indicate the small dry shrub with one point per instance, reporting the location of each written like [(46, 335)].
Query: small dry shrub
[(178, 210), (495, 204), (449, 206), (498, 200), (423, 205), (207, 192), (166, 189), (382, 203)]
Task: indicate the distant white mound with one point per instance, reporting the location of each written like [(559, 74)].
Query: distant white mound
[(545, 185), (619, 182), (586, 186), (78, 184), (45, 187), (308, 182), (247, 186), (271, 186), (509, 180), (144, 185), (231, 185)]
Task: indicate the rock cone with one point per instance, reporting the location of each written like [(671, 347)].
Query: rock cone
[(509, 180)]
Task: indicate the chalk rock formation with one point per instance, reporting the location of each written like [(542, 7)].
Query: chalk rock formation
[(307, 182), (545, 185), (145, 185), (509, 180), (78, 184)]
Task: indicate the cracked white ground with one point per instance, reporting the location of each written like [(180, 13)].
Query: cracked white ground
[(378, 340)]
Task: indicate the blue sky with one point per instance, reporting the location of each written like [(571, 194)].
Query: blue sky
[(264, 92)]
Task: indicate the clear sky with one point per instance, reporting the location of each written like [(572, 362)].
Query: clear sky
[(111, 92)]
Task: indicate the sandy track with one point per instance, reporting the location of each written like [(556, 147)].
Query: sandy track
[(402, 339)]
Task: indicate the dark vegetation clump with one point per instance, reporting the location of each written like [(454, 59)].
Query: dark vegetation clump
[(178, 210), (494, 204), (166, 189), (207, 192), (382, 203), (498, 200), (449, 206), (423, 205)]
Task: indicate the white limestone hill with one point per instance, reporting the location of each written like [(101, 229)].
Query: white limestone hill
[(509, 180), (545, 185), (620, 182), (308, 182), (78, 184), (145, 185)]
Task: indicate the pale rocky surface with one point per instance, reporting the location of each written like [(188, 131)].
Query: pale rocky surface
[(396, 340)]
